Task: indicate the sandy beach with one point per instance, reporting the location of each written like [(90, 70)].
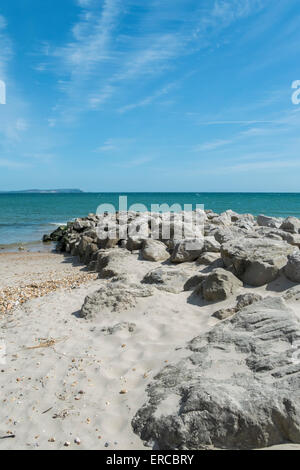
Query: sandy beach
[(84, 358), (74, 373)]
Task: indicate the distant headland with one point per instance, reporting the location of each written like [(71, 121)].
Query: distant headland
[(44, 191)]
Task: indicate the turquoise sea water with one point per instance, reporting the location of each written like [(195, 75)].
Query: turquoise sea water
[(26, 217)]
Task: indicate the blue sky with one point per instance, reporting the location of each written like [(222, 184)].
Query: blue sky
[(150, 95)]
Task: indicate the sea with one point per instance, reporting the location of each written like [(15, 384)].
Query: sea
[(25, 218)]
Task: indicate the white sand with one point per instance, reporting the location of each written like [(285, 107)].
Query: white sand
[(85, 359), (24, 268)]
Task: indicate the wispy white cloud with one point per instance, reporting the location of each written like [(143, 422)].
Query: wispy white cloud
[(100, 60), (230, 10), (91, 40), (222, 14), (6, 163), (80, 59), (108, 146), (149, 99), (114, 145), (139, 161), (97, 99), (81, 62), (52, 122), (213, 145)]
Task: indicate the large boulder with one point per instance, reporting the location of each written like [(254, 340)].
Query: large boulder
[(169, 278), (211, 245), (238, 387), (176, 226), (134, 243), (55, 236), (225, 234), (278, 234), (220, 285), (154, 250), (243, 301), (114, 297), (222, 219), (187, 250), (233, 216), (256, 261), (82, 224), (265, 221), (211, 259), (291, 224), (114, 262), (84, 243), (292, 269)]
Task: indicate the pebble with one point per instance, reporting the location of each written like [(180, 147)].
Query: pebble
[(12, 297)]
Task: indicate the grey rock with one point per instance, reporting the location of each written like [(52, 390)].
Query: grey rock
[(224, 313), (292, 294), (265, 221), (194, 281), (114, 297), (209, 258), (154, 250), (223, 219), (90, 254), (211, 245), (187, 250), (83, 246), (292, 269), (244, 300), (292, 239), (234, 216), (168, 278), (82, 224), (225, 234), (111, 241), (239, 387), (278, 234), (47, 238), (91, 233), (291, 224), (113, 262), (134, 243), (220, 285), (247, 219)]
